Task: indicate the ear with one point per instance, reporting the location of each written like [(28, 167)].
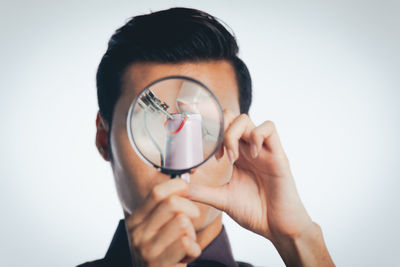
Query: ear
[(101, 137)]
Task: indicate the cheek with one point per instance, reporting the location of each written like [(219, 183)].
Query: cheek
[(134, 179)]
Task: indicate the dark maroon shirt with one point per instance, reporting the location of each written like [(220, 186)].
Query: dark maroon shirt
[(217, 254)]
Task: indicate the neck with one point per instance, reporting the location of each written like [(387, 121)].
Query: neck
[(206, 235)]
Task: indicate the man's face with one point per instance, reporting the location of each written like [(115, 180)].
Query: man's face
[(134, 178)]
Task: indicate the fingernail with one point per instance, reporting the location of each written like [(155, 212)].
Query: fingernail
[(254, 151), (230, 155)]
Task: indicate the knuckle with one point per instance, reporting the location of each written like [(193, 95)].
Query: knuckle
[(135, 238), (257, 133), (156, 193), (131, 221), (270, 124), (183, 221), (184, 242), (197, 253), (173, 203), (254, 133), (147, 253), (228, 138), (243, 116)]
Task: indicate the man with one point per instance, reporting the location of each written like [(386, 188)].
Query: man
[(172, 222)]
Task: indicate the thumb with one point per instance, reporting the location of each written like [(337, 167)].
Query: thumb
[(212, 196)]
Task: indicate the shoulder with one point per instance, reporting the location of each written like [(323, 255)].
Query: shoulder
[(244, 264), (96, 263)]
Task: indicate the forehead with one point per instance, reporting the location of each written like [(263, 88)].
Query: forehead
[(219, 76)]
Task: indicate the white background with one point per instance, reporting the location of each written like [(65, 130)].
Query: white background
[(327, 73)]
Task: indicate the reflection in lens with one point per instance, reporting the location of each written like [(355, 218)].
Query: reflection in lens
[(175, 124)]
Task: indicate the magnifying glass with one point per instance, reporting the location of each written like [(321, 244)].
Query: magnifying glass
[(175, 124)]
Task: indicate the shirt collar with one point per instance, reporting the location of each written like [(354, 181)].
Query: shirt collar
[(218, 252)]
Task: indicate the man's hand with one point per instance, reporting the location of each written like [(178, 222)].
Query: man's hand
[(261, 195), (161, 231)]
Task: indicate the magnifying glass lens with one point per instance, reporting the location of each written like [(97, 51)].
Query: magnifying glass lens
[(175, 124)]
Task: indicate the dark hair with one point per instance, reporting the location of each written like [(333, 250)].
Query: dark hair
[(168, 36)]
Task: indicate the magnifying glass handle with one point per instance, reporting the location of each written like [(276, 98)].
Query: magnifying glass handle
[(184, 176)]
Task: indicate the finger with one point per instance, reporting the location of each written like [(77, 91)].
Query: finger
[(239, 128), (266, 134), (157, 194), (180, 225), (229, 116), (163, 213), (184, 246), (212, 196)]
